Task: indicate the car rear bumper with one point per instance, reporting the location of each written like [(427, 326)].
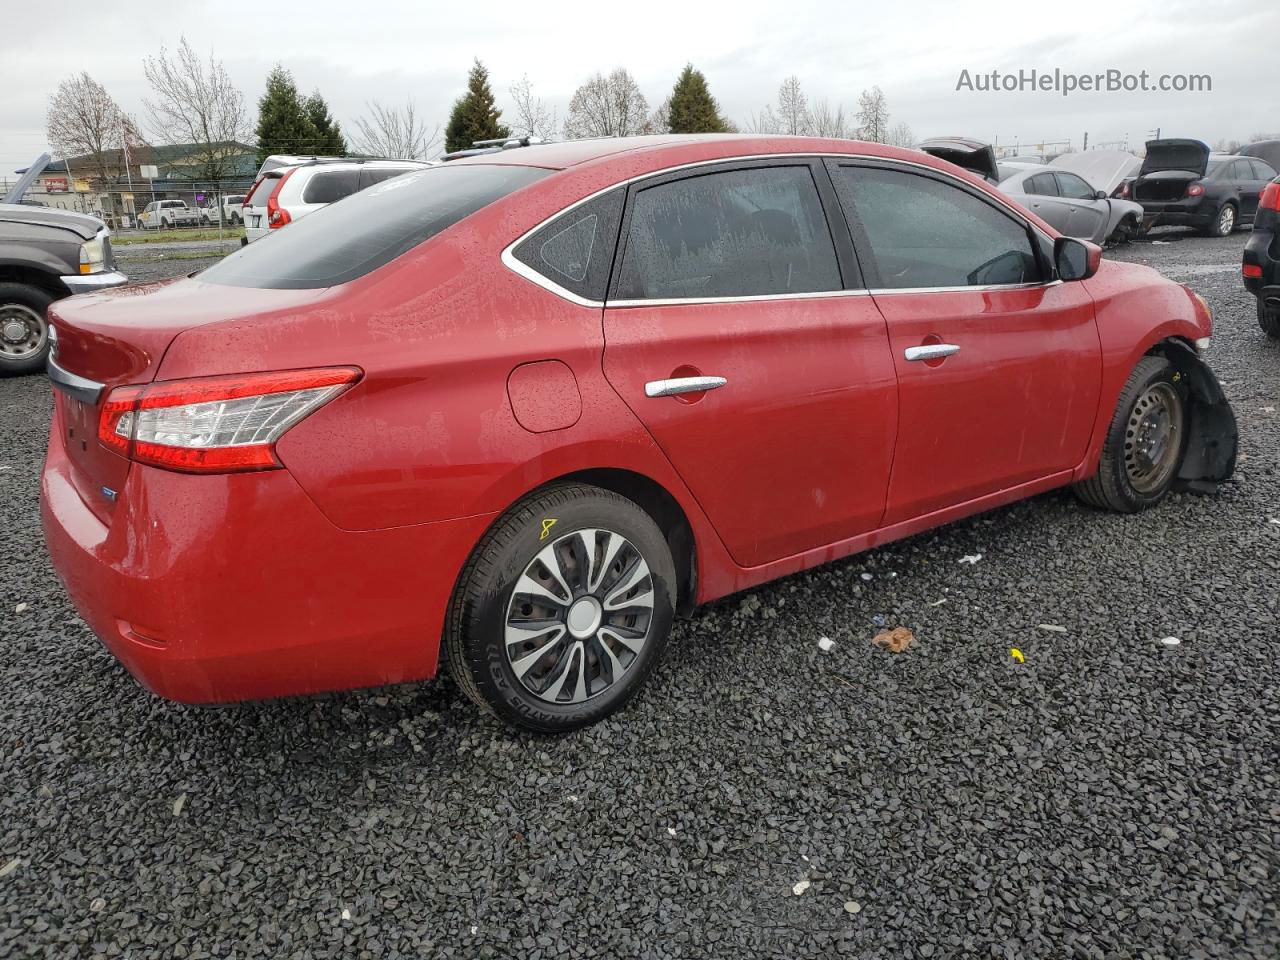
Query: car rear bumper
[(91, 282), (1177, 213), (212, 589)]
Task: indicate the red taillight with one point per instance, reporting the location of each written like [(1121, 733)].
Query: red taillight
[(1270, 199), (1122, 191), (1252, 271), (1195, 190), (215, 424), (276, 216)]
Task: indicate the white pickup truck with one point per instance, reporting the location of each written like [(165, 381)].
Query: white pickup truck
[(165, 214), (231, 205)]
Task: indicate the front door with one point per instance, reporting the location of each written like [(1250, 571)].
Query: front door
[(768, 385), (999, 370), (1089, 215)]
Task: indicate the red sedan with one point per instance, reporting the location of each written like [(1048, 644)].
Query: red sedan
[(522, 409)]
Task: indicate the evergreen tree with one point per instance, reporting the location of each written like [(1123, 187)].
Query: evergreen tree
[(475, 116), (283, 124), (330, 142), (693, 109)]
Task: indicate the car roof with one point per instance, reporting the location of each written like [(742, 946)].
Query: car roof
[(569, 153)]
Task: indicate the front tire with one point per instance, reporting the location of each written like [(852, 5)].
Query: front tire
[(24, 330), (1269, 321), (1145, 442), (563, 609)]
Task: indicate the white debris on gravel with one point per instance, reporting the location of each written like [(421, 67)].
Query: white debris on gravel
[(671, 830), (1051, 627), (866, 576), (852, 906), (11, 866), (20, 607), (1170, 641), (825, 644), (345, 915), (97, 905), (800, 887), (179, 804), (971, 558)]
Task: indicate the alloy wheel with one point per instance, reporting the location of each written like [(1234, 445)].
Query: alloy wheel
[(23, 332), (1226, 220), (579, 616), (1153, 438)]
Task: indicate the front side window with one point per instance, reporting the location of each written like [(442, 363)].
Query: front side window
[(759, 231), (924, 232), (1074, 188), (346, 240)]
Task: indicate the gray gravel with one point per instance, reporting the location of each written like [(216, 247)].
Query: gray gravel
[(1111, 797)]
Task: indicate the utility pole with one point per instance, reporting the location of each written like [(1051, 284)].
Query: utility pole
[(1086, 142)]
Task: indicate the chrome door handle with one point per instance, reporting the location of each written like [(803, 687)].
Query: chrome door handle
[(672, 388), (931, 351)]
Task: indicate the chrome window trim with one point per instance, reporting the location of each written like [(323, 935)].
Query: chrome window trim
[(523, 270), (986, 288)]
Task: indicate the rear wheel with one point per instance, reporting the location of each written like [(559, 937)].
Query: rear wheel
[(1145, 442), (562, 610), (1269, 320), (24, 331), (1225, 222)]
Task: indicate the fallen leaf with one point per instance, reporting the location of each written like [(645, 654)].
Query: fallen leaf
[(1051, 627), (1017, 655), (896, 640), (800, 887)]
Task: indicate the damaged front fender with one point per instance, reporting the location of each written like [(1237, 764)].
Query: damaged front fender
[(1213, 437)]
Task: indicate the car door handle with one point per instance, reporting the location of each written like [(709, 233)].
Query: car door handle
[(673, 388), (931, 351)]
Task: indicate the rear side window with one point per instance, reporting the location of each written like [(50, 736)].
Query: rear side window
[(329, 186), (346, 240), (371, 175), (1262, 171), (262, 192), (753, 232), (575, 250), (924, 232), (1042, 185)]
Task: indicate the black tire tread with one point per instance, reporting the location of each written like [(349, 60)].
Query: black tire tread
[(30, 296), (1269, 321)]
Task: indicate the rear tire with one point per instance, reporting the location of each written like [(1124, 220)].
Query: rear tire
[(1145, 442), (24, 329), (1269, 321), (563, 609), (1224, 221)]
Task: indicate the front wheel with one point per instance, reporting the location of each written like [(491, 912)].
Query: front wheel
[(24, 331), (1145, 442), (563, 609)]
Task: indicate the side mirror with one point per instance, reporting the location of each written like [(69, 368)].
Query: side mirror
[(1076, 259), (1099, 194)]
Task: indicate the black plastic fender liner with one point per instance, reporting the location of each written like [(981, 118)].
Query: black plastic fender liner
[(1213, 436)]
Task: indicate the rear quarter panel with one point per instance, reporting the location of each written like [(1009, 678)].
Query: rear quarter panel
[(1136, 308)]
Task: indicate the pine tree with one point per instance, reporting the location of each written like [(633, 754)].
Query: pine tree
[(330, 141), (693, 109), (475, 116), (283, 124)]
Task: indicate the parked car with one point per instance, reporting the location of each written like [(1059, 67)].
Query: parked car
[(285, 194), (1268, 151), (167, 214), (976, 156), (1073, 207), (278, 160), (528, 407), (1182, 184), (1261, 266), (229, 206), (45, 255), (1112, 171)]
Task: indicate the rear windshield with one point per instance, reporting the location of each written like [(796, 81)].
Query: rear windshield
[(262, 191), (348, 239)]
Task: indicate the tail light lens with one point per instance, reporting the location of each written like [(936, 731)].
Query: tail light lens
[(1195, 190), (276, 215), (1251, 271), (1270, 197), (215, 424), (1122, 191)]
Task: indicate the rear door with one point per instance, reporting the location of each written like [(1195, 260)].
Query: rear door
[(1253, 180), (1089, 215), (732, 273), (998, 365)]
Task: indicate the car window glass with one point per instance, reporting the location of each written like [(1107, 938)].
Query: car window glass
[(329, 186), (754, 232), (575, 250), (262, 192), (342, 241), (1213, 168), (1042, 185), (1262, 171), (924, 232), (371, 175), (1073, 187)]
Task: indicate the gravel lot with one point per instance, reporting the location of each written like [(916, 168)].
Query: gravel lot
[(1109, 797)]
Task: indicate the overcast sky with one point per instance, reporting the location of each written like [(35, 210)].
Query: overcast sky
[(395, 50)]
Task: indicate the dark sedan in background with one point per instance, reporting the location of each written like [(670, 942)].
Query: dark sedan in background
[(1182, 184), (1262, 260)]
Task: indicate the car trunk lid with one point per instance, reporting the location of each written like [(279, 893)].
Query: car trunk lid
[(1190, 156), (119, 337), (973, 155)]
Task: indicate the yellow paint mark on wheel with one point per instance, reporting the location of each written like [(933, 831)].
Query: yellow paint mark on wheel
[(546, 527)]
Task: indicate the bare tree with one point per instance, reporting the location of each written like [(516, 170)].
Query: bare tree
[(531, 117), (873, 115), (194, 102), (611, 106), (901, 135), (793, 108), (764, 122), (84, 121), (660, 120), (827, 120), (388, 132)]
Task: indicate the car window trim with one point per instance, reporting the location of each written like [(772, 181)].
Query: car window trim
[(1037, 237), (726, 165), (1006, 205)]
